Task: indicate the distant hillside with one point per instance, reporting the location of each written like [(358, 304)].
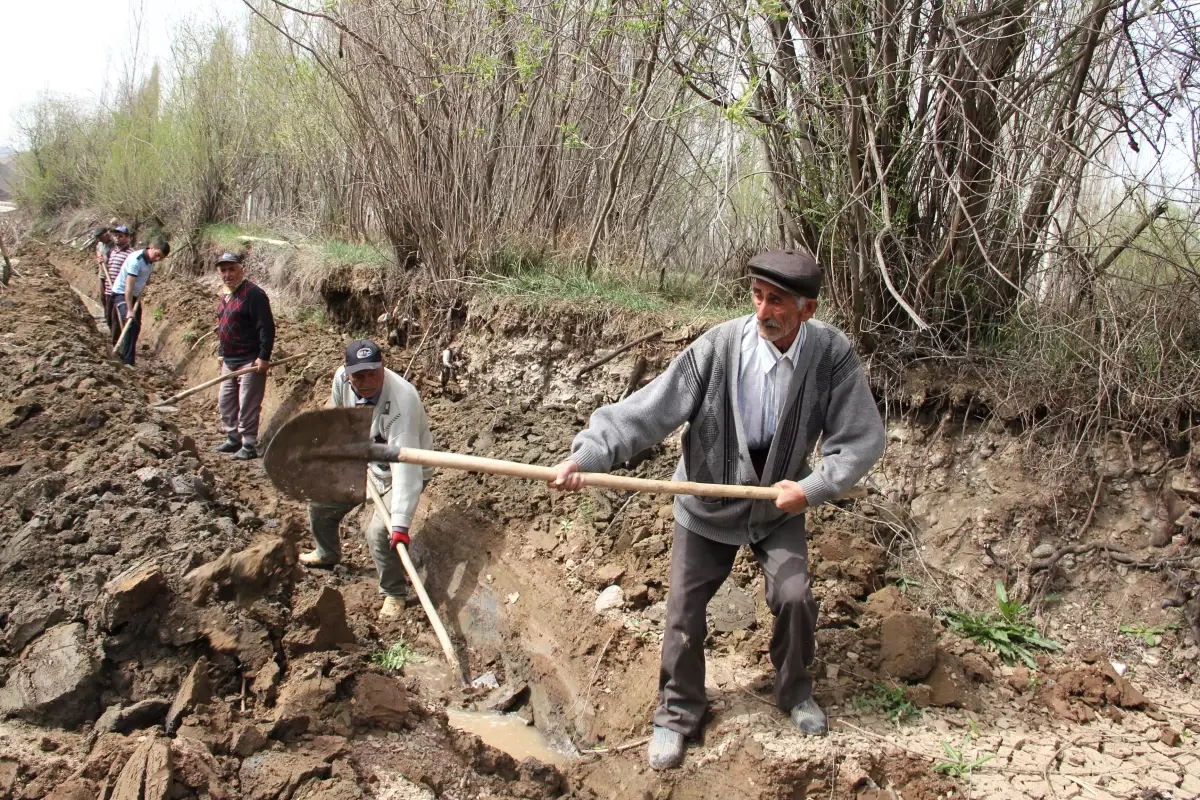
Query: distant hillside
[(7, 176)]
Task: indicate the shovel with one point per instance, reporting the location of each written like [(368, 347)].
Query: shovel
[(170, 401), (320, 455), (120, 345), (438, 628)]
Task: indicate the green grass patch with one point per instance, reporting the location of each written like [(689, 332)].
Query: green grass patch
[(1010, 632), (394, 657), (957, 765), (892, 702), (545, 280), (312, 314), (229, 237), (346, 254)]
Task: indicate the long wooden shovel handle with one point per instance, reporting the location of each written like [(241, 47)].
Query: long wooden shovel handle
[(201, 387), (438, 628), (125, 329), (492, 466)]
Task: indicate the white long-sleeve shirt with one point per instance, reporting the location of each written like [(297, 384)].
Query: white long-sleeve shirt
[(399, 421), (763, 380)]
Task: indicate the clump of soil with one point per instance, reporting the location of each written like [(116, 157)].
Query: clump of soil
[(1079, 694)]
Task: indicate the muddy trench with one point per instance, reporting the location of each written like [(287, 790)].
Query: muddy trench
[(465, 562), (516, 571)]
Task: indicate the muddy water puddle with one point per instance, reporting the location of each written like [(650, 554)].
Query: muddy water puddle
[(508, 733)]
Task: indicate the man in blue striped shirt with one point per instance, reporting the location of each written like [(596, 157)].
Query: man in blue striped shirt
[(128, 287)]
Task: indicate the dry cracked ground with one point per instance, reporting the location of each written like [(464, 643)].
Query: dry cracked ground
[(157, 638)]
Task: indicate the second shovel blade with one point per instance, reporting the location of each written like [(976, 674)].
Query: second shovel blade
[(294, 464)]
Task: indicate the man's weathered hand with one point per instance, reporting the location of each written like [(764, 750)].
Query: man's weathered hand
[(567, 477), (261, 366), (791, 497)]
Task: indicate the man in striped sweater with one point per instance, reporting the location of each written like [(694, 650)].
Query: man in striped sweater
[(757, 393), (115, 259)]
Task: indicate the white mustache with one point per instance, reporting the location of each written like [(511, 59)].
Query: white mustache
[(770, 323)]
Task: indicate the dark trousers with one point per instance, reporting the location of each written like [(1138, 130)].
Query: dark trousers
[(698, 568), (129, 351)]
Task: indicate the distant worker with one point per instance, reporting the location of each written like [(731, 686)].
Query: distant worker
[(245, 336), (399, 420), (103, 241), (118, 251), (758, 392), (131, 281)]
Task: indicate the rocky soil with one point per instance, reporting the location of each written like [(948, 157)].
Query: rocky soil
[(159, 639)]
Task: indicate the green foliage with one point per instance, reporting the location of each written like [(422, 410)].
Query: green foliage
[(904, 583), (394, 657), (956, 764), (188, 337), (158, 313), (1149, 634), (1009, 633), (891, 701), (55, 170)]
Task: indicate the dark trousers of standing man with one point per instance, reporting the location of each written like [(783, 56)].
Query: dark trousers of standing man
[(698, 568), (129, 350)]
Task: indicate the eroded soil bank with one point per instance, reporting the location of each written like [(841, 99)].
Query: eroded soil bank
[(158, 638)]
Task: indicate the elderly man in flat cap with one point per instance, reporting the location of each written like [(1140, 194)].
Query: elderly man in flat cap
[(245, 337), (757, 393)]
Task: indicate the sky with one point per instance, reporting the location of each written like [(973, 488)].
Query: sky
[(76, 47)]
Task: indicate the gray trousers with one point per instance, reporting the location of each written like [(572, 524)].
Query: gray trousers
[(698, 568), (325, 519), (240, 401)]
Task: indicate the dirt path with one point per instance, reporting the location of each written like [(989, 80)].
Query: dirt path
[(516, 571)]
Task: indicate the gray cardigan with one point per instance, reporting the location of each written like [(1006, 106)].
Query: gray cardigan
[(828, 398)]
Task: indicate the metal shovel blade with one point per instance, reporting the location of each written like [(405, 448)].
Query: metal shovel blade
[(299, 461)]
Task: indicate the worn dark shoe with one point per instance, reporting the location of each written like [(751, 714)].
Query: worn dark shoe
[(247, 452), (810, 719), (666, 748), (230, 445)]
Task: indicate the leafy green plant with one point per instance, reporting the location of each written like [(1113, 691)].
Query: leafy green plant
[(892, 701), (188, 337), (956, 764), (158, 313), (904, 583), (1149, 634), (1009, 633), (393, 658)]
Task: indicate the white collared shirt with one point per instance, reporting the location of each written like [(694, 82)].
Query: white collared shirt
[(763, 380)]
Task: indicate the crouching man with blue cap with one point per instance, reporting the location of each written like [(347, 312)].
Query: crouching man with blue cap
[(399, 421)]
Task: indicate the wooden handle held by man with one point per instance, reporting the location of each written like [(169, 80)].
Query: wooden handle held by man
[(170, 401), (120, 345), (492, 466), (438, 628)]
